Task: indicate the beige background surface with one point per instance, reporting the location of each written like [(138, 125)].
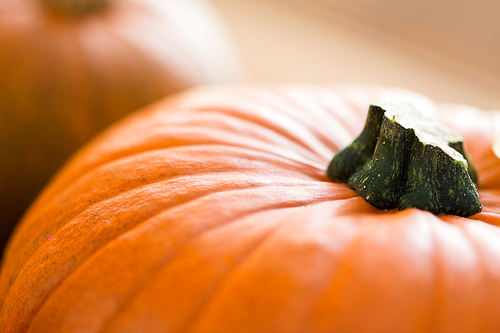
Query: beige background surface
[(336, 41)]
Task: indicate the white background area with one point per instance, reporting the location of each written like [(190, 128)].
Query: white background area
[(447, 50)]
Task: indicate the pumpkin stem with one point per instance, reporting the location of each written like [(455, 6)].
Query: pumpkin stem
[(403, 159), (74, 8)]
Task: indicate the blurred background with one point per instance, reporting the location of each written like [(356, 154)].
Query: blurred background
[(446, 49)]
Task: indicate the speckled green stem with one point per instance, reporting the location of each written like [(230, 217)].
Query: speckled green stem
[(74, 8), (459, 146), (360, 151), (408, 165)]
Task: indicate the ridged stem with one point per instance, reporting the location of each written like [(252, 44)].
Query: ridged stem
[(403, 160)]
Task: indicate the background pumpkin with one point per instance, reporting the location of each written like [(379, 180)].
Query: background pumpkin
[(68, 68), (211, 212)]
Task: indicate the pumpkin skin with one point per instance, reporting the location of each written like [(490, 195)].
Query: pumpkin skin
[(210, 211), (66, 76)]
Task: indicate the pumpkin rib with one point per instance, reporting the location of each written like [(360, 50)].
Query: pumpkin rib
[(39, 256), (437, 307), (245, 104), (115, 158), (357, 250), (489, 172), (90, 258), (93, 206), (435, 311), (176, 178), (307, 142), (482, 269), (492, 166), (170, 136), (484, 223), (273, 110), (386, 266), (191, 323), (341, 110), (290, 94), (486, 275), (197, 313), (303, 119), (108, 168), (154, 275), (463, 225), (34, 254), (348, 241), (250, 126), (46, 197), (491, 231), (428, 307), (181, 208), (491, 207), (487, 217)]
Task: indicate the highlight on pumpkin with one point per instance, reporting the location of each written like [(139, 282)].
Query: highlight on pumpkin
[(403, 159)]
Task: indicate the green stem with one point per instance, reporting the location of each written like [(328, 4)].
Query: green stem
[(347, 161), (414, 162)]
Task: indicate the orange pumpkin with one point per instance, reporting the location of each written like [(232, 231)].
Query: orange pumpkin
[(70, 67), (211, 212)]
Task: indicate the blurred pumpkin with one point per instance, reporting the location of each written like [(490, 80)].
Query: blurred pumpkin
[(210, 211), (70, 67)]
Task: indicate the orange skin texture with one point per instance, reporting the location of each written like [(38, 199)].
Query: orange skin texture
[(65, 78), (210, 211)]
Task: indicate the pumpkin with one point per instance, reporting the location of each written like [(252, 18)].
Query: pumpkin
[(70, 67), (211, 211)]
